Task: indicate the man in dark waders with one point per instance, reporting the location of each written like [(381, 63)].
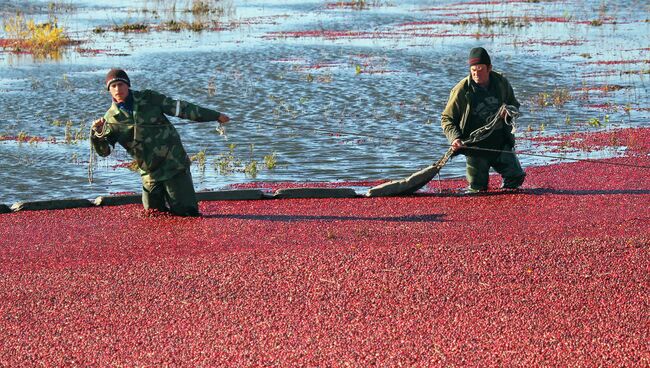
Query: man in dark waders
[(137, 121), (472, 103)]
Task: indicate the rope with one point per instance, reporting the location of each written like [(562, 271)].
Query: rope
[(510, 113), (560, 157), (507, 113), (91, 159), (471, 148)]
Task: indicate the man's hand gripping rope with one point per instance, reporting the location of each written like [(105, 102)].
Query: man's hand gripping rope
[(507, 113)]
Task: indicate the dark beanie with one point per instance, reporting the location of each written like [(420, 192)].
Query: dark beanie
[(115, 75), (479, 55)]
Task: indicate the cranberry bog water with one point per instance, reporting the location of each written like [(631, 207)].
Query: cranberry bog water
[(318, 90), (328, 94)]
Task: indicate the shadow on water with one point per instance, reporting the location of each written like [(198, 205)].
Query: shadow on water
[(294, 218)]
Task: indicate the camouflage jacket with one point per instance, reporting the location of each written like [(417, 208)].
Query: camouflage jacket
[(458, 109), (148, 136)]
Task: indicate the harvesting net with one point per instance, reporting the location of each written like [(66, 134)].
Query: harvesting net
[(507, 113)]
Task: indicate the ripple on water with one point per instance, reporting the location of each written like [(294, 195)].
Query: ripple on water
[(316, 101)]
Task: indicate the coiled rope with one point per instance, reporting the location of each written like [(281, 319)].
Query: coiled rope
[(506, 113), (91, 159)]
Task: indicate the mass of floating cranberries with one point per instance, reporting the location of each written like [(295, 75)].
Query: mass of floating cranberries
[(555, 274)]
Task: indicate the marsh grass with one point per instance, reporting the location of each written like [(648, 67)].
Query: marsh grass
[(229, 163), (271, 161), (558, 98), (74, 135), (201, 7), (596, 22), (327, 78), (200, 159), (177, 26), (639, 72), (173, 26), (508, 22), (42, 40), (543, 99), (360, 4), (251, 169), (204, 14), (54, 7), (170, 25), (130, 27), (355, 4), (595, 123)]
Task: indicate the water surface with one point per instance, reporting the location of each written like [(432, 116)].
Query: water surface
[(297, 76)]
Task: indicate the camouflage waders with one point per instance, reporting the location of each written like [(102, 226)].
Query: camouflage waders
[(175, 195)]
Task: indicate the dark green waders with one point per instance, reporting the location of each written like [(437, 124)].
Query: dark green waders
[(175, 195), (505, 163)]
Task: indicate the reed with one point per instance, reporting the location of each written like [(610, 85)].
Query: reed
[(44, 39), (130, 27), (251, 169), (271, 161), (200, 159)]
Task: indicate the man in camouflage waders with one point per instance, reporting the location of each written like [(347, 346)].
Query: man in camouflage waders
[(137, 121), (472, 103)]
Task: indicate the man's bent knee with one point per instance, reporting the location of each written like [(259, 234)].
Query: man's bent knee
[(153, 197)]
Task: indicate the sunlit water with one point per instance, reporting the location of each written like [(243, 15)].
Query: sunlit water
[(381, 74)]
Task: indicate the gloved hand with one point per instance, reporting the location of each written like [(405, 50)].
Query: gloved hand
[(223, 118), (457, 144), (98, 126)]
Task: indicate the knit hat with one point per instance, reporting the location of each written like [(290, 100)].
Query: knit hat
[(115, 75), (479, 55)]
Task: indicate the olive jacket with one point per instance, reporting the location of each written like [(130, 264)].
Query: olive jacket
[(458, 109), (148, 136)]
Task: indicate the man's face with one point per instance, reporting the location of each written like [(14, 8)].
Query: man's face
[(481, 74), (119, 90)]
